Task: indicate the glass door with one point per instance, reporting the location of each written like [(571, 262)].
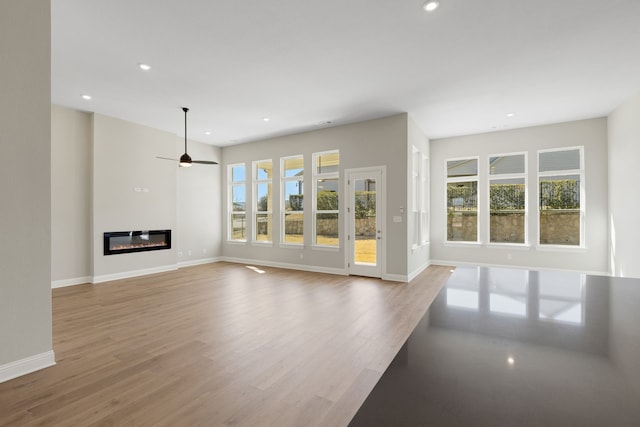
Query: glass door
[(365, 230)]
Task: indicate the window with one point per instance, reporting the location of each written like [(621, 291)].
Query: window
[(416, 202), (560, 196), (507, 198), (462, 200), (463, 290), (237, 202), (561, 297), (263, 201), (508, 291), (420, 198), (292, 206), (424, 208), (326, 191)]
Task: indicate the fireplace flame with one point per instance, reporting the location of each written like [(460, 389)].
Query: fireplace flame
[(137, 246)]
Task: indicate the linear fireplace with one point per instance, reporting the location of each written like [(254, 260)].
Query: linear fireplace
[(122, 242)]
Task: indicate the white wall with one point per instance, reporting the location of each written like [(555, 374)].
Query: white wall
[(123, 160), (592, 134), (371, 143), (71, 160), (624, 176), (25, 192), (199, 205)]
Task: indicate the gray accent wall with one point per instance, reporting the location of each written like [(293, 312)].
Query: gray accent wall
[(97, 163), (380, 142), (25, 192), (624, 177)]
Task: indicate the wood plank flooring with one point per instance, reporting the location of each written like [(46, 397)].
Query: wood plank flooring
[(219, 345)]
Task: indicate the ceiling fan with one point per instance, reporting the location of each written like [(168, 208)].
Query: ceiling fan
[(185, 160)]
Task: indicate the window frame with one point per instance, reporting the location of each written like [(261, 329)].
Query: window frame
[(255, 182), (283, 212), (567, 172), (419, 197), (447, 181), (424, 209), (416, 196), (499, 177), (314, 208), (230, 211)]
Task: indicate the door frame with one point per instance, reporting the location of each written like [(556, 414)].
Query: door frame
[(381, 216)]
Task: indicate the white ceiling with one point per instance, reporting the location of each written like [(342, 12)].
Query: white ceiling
[(456, 71)]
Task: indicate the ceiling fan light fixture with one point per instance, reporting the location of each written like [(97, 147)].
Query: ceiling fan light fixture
[(431, 5), (185, 161)]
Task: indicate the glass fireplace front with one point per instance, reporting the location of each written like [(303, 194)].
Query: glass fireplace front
[(122, 242)]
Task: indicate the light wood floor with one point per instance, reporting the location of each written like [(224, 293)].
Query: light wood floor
[(219, 344)]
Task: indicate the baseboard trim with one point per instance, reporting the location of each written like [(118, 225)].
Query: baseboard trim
[(128, 274), (70, 282), (134, 273), (519, 267), (27, 365), (418, 270), (395, 277), (288, 266), (198, 262)]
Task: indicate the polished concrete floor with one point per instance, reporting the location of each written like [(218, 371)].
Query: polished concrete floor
[(506, 347)]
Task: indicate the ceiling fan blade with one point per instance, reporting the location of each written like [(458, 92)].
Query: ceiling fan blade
[(205, 162), (166, 158), (185, 160)]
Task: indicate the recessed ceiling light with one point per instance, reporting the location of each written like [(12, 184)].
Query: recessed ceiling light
[(431, 5), (145, 67), (87, 97), (511, 114), (207, 133), (265, 119)]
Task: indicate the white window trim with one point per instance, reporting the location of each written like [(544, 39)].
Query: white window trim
[(504, 176), (509, 246), (462, 244), (283, 182), (230, 211), (254, 210), (448, 180), (420, 197), (581, 172), (426, 195), (416, 199), (316, 176)]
